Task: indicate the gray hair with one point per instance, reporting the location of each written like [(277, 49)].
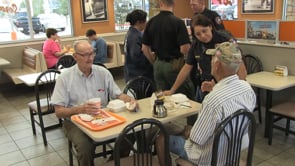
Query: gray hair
[(77, 43), (230, 67)]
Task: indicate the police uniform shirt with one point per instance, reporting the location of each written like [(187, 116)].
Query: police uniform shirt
[(197, 51), (165, 33), (215, 18)]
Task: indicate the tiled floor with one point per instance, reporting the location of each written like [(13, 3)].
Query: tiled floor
[(18, 146)]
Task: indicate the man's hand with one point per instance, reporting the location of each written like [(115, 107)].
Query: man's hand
[(90, 108), (207, 86)]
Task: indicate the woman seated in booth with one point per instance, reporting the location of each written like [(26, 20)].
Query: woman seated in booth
[(52, 48)]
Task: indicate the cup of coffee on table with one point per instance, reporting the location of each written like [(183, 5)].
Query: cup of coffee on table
[(96, 101)]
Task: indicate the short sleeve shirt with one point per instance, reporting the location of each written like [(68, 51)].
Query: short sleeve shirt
[(50, 47), (165, 33), (215, 18), (198, 50), (73, 88)]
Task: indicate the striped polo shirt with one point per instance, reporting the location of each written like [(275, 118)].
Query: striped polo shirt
[(228, 95)]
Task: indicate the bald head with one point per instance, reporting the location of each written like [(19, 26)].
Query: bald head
[(80, 44)]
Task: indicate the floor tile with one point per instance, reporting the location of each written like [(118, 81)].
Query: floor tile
[(52, 158), (3, 131), (283, 159), (11, 158), (59, 144), (14, 120), (8, 147), (36, 151), (18, 126), (16, 135), (5, 138), (23, 163), (29, 141)]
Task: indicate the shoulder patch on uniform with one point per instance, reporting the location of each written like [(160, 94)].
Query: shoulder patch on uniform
[(218, 20)]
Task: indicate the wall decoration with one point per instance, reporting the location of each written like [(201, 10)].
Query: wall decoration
[(227, 9), (94, 10), (257, 6), (262, 31)]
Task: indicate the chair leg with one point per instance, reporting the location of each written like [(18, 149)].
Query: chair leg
[(104, 150), (42, 129), (270, 128), (32, 121), (70, 153), (287, 127)]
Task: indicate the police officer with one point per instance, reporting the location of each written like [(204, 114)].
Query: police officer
[(198, 7)]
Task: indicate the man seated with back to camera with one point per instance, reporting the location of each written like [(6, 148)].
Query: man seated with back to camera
[(74, 87), (227, 96)]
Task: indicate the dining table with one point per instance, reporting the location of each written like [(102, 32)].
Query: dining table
[(4, 62), (30, 79), (271, 83), (145, 110)]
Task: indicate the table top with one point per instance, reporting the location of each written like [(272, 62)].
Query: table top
[(4, 62), (145, 111), (270, 81), (30, 79)]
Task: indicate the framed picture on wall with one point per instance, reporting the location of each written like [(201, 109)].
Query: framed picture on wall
[(257, 6), (94, 10), (264, 31)]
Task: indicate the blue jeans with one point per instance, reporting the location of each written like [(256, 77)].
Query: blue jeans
[(176, 146)]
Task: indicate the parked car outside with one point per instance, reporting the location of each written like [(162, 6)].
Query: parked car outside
[(52, 20), (24, 23), (7, 27)]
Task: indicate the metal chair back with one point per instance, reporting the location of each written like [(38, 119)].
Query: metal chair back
[(65, 61), (229, 135), (140, 136), (140, 87)]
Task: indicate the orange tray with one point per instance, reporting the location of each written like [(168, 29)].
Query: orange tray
[(98, 127)]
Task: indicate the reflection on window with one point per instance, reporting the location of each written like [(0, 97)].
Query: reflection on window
[(123, 7), (18, 23), (290, 10), (227, 9)]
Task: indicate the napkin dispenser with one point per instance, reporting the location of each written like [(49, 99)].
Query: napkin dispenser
[(280, 70)]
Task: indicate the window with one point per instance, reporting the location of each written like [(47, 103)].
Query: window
[(289, 13), (21, 24), (123, 7), (227, 9)]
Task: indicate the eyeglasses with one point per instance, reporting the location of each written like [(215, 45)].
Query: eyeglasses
[(85, 54)]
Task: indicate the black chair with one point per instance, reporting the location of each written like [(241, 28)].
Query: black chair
[(140, 87), (140, 135), (283, 111), (254, 65), (42, 106), (65, 61), (229, 134), (230, 131)]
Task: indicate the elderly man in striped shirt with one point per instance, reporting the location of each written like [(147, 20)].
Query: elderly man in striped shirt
[(227, 96)]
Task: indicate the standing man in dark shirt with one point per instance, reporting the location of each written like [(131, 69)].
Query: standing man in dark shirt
[(165, 42), (198, 7)]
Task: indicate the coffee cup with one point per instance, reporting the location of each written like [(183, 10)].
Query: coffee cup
[(96, 101)]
